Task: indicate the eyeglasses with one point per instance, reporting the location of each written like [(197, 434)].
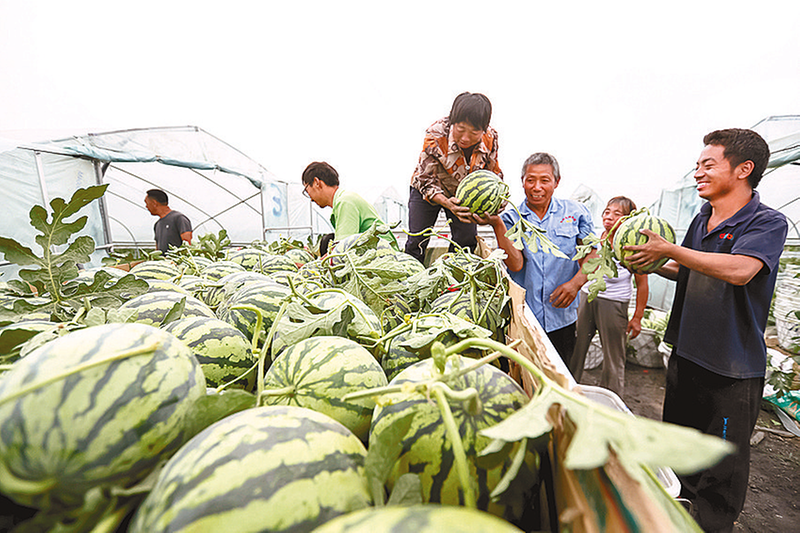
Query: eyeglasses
[(305, 191)]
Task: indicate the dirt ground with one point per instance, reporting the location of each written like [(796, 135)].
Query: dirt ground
[(772, 503)]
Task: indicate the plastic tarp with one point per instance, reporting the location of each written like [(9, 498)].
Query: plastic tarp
[(779, 189), (214, 184)]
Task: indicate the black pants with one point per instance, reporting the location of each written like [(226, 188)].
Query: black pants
[(564, 341), (721, 406), (422, 215)]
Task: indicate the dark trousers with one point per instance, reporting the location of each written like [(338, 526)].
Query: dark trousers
[(721, 406), (564, 341), (422, 215)]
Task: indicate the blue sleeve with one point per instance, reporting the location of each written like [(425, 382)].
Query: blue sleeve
[(764, 239)]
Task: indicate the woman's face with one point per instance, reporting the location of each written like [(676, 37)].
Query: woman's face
[(611, 214)]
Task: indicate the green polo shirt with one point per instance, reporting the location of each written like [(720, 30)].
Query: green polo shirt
[(352, 214)]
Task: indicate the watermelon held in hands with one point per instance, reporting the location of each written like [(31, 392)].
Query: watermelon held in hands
[(627, 234), (483, 192)]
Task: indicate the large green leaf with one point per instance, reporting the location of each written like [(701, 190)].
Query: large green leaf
[(600, 429)]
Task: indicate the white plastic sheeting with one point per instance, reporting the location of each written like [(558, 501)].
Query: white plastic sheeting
[(211, 182)]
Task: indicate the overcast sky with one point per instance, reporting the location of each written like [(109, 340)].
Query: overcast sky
[(620, 92)]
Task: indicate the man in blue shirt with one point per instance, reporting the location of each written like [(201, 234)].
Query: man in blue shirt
[(725, 270), (551, 283)]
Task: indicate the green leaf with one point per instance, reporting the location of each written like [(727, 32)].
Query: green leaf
[(174, 313), (427, 329), (599, 429), (214, 407), (383, 452), (524, 233), (407, 491), (599, 266)]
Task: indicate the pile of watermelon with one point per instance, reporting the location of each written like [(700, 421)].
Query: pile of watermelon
[(238, 394)]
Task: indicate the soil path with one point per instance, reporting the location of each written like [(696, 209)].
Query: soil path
[(772, 503)]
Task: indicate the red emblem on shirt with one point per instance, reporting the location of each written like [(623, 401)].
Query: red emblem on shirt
[(728, 236)]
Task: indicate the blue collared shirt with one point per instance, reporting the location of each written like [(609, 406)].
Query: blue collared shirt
[(565, 223), (717, 325)]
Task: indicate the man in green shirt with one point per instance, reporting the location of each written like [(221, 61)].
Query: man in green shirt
[(351, 213)]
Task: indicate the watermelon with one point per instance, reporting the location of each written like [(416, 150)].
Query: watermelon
[(426, 449), (219, 269), (483, 192), (249, 258), (300, 256), (267, 296), (157, 285), (223, 351), (420, 518), (274, 468), (97, 407), (166, 270), (317, 372), (489, 314), (154, 306), (217, 292), (627, 234)]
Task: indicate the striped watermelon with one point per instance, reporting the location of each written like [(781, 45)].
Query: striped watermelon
[(219, 269), (627, 234), (317, 372), (426, 450), (489, 314), (217, 292), (157, 285), (266, 469), (98, 407), (223, 351), (300, 256), (249, 258), (154, 306), (166, 270), (420, 518), (266, 296), (482, 191)]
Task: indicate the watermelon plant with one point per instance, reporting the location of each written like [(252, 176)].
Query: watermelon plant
[(45, 288)]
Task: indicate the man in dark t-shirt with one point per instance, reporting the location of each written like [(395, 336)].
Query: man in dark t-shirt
[(726, 271), (172, 227)]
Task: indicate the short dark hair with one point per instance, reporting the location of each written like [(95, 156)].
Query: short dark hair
[(542, 158), (742, 145), (322, 170), (474, 108), (159, 196), (625, 203)]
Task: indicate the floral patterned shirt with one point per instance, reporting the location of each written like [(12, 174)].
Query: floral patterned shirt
[(442, 164)]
